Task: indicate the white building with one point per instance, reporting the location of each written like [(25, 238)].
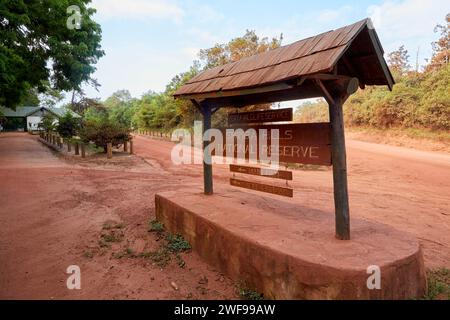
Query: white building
[(28, 118)]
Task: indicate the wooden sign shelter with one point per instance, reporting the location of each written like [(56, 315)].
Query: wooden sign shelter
[(331, 65)]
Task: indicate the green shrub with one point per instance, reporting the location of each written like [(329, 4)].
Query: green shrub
[(68, 125), (48, 123), (100, 129)]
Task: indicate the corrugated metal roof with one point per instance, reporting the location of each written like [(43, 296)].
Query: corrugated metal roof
[(20, 112), (318, 54)]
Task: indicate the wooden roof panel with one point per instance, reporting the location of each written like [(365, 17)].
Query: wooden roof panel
[(308, 56)]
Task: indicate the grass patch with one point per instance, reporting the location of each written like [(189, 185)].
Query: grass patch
[(177, 243), (112, 236), (181, 263), (88, 254), (161, 257), (438, 284), (249, 294), (155, 226), (172, 246)]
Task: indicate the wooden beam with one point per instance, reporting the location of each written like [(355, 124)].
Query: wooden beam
[(306, 91), (326, 94), (327, 76), (233, 93), (379, 51)]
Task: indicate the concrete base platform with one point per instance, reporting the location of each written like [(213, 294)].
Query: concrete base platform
[(287, 251)]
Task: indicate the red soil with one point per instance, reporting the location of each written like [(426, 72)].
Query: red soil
[(53, 210)]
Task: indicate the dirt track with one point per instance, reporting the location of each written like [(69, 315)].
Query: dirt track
[(52, 212)]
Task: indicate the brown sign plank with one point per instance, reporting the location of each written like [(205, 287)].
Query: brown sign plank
[(273, 115), (306, 143), (280, 174), (285, 192)]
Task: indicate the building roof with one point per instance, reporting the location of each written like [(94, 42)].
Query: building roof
[(20, 112), (25, 111), (353, 50)]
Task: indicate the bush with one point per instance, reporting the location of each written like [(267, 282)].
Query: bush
[(48, 123), (100, 129), (68, 125)]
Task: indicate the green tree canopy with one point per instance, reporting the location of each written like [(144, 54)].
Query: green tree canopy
[(37, 47)]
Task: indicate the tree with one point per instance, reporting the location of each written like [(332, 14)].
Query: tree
[(247, 45), (36, 46), (84, 104), (398, 61), (310, 112), (119, 97), (441, 47), (68, 125)]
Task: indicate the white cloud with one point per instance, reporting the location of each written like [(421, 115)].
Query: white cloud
[(409, 23), (138, 9)]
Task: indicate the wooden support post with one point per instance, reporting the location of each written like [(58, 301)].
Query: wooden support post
[(77, 148), (109, 150), (131, 146), (339, 159), (336, 99), (69, 146), (125, 146), (83, 150), (207, 161)]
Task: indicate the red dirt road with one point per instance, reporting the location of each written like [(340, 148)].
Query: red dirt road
[(53, 209), (52, 214)]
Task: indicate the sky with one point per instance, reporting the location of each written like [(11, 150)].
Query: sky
[(147, 42)]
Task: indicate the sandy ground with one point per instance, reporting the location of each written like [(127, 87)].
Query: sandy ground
[(53, 210)]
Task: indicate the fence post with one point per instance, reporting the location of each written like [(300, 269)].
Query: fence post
[(69, 147), (83, 150), (109, 150), (125, 146), (131, 146), (77, 149)]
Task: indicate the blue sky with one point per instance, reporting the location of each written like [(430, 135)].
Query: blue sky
[(147, 42)]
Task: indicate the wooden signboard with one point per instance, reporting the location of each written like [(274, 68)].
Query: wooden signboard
[(255, 171), (275, 115), (281, 191), (306, 143)]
